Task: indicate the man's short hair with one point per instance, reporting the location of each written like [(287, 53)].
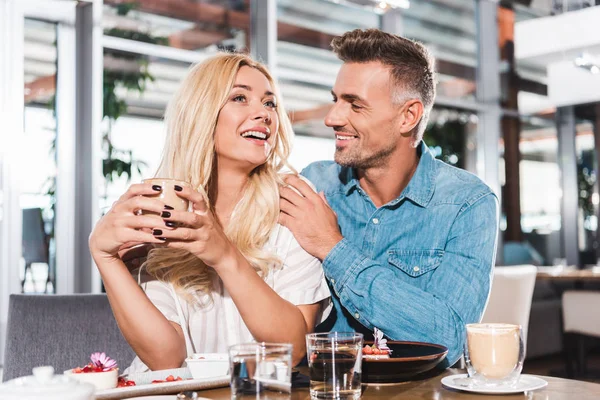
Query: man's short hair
[(412, 65)]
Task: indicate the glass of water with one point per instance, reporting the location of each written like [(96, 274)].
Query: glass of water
[(261, 371), (334, 361)]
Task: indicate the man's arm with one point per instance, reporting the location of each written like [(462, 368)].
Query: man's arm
[(456, 294)]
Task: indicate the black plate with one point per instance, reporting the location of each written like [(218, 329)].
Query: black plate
[(408, 359)]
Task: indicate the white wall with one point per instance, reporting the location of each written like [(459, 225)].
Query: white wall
[(309, 149)]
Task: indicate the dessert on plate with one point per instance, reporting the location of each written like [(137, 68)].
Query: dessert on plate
[(101, 371), (379, 350)]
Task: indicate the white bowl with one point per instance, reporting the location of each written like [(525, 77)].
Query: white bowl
[(207, 365), (101, 380)]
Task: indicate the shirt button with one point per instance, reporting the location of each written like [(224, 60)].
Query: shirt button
[(376, 221), (332, 280), (416, 269), (356, 315)]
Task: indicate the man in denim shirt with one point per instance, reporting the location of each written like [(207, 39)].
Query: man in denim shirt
[(415, 247)]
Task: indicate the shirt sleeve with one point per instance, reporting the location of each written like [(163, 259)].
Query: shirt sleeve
[(456, 294), (301, 279), (162, 295)]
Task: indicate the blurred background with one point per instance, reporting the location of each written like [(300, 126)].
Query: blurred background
[(84, 84)]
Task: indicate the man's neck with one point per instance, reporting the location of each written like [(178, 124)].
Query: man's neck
[(385, 183)]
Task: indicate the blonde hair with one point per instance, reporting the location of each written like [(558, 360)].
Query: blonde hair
[(189, 155)]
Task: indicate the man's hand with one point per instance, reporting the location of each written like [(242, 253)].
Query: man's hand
[(309, 217)]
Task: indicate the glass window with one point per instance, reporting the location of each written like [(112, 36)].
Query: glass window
[(448, 29), (446, 136), (183, 24), (139, 142), (306, 66), (540, 188), (587, 184), (137, 89), (531, 205), (37, 185), (532, 96)]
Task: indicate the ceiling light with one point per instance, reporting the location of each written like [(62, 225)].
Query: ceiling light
[(586, 61), (398, 3), (378, 6)]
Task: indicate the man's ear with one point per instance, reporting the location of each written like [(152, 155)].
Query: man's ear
[(411, 113)]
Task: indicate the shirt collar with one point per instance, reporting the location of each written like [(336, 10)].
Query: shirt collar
[(421, 186)]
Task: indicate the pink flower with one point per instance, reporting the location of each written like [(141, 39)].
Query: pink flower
[(103, 361), (380, 342)]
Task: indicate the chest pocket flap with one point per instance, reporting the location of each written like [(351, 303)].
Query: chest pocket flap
[(416, 262)]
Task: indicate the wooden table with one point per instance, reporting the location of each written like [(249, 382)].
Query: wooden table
[(431, 388), (569, 274)]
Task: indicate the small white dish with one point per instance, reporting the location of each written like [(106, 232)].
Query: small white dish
[(463, 382), (168, 397), (206, 365), (101, 380)]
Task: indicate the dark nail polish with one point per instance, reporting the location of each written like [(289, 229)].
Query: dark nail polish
[(178, 188), (165, 214), (158, 188), (171, 224), (162, 238), (168, 207), (157, 232)]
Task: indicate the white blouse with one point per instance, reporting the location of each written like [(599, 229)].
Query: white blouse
[(211, 326)]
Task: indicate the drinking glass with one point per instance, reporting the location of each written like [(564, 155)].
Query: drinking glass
[(494, 354), (334, 361), (261, 371)]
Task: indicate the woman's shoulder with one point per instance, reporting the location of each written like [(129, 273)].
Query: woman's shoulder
[(280, 237), (288, 249), (305, 179), (157, 286)]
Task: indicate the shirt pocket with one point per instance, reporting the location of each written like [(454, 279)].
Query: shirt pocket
[(415, 263)]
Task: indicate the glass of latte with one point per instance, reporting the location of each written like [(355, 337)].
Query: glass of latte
[(494, 354)]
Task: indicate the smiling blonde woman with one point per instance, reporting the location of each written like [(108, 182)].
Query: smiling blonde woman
[(226, 272)]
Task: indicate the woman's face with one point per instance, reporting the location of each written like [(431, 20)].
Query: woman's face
[(248, 122)]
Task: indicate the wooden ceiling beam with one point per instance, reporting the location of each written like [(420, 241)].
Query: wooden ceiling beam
[(197, 38), (42, 87)]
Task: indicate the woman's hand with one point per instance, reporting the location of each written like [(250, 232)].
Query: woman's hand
[(123, 226), (198, 232)]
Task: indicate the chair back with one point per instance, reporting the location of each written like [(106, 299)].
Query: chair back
[(580, 312), (61, 331), (35, 240), (520, 253), (510, 298)]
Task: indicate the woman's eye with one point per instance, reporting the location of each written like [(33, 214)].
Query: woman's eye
[(239, 98), (271, 104)]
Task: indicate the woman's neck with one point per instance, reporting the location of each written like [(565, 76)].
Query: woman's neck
[(227, 190)]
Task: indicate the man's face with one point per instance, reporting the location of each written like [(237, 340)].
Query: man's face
[(363, 116)]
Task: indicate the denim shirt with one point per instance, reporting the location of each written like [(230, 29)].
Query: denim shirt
[(419, 267)]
